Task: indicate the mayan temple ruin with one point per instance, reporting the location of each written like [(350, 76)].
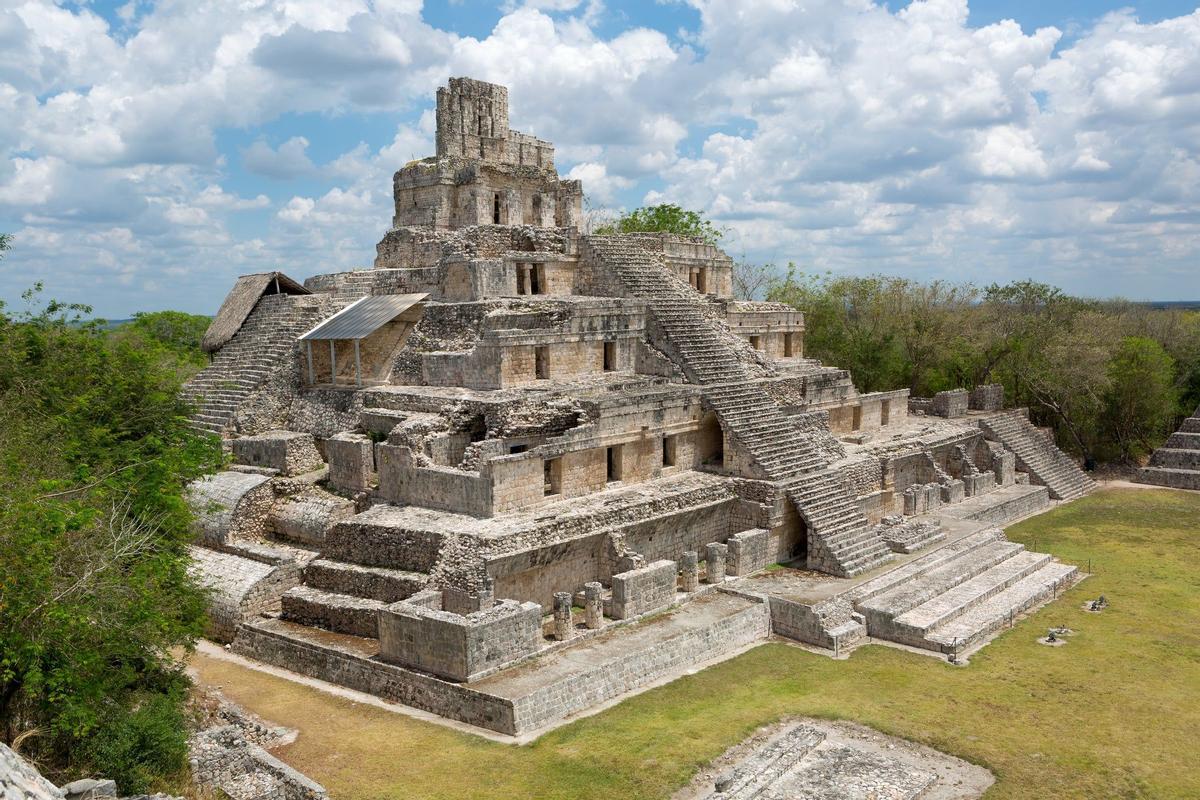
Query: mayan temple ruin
[(515, 470)]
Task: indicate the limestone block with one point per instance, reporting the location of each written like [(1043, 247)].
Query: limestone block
[(643, 590), (988, 397), (953, 491), (454, 646), (1004, 465), (351, 461), (20, 781), (290, 452), (951, 404), (306, 517), (229, 505), (749, 551)]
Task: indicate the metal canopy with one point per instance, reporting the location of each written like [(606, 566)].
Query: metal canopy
[(363, 317)]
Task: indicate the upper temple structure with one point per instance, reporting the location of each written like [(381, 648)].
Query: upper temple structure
[(464, 476)]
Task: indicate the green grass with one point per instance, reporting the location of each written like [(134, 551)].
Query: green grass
[(1114, 714)]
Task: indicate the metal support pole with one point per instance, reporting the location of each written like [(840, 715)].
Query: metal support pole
[(357, 365), (332, 364), (312, 376)]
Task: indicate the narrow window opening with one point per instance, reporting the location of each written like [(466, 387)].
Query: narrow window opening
[(702, 281), (613, 455), (885, 411), (541, 362), (522, 279), (496, 208), (537, 275), (788, 341), (513, 449), (552, 476), (610, 356), (856, 423), (669, 444)]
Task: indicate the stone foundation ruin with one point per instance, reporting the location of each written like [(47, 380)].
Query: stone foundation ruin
[(513, 470)]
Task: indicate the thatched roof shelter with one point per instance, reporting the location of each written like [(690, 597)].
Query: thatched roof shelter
[(241, 300)]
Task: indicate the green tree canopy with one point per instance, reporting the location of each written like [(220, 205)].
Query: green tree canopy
[(95, 596), (664, 218)]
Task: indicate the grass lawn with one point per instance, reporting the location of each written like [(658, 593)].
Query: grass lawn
[(1115, 713)]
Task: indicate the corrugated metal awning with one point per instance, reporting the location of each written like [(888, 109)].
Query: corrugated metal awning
[(363, 317)]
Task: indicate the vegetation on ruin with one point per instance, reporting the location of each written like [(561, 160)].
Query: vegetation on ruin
[(664, 218), (1113, 714), (95, 597), (1111, 377)]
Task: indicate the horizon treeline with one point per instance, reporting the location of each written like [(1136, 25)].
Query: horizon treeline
[(1112, 378)]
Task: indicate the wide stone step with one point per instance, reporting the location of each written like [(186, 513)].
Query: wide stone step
[(374, 583), (935, 574), (1173, 478), (960, 599), (341, 613), (1000, 609)]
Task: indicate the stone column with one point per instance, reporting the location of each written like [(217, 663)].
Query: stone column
[(716, 553), (563, 629), (691, 573), (593, 604)]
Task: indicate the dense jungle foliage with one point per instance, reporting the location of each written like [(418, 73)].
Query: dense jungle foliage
[(1111, 377), (96, 604)]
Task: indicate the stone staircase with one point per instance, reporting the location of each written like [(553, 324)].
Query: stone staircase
[(265, 342), (1176, 463), (340, 594), (840, 539), (1046, 464), (956, 596)]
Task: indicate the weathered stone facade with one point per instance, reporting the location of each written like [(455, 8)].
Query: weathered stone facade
[(554, 422)]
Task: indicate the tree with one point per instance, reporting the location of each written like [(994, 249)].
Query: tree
[(1140, 401), (179, 332), (752, 281), (95, 594), (664, 218)]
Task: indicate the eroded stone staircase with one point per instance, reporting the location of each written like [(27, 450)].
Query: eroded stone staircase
[(841, 541), (954, 597), (361, 570), (1045, 463), (265, 342)]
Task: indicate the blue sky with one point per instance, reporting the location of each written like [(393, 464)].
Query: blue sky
[(154, 151)]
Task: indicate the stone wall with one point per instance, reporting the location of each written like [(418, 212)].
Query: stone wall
[(351, 461), (987, 397), (641, 591), (290, 452), (229, 505), (241, 588), (749, 551), (598, 682), (361, 673), (456, 646)]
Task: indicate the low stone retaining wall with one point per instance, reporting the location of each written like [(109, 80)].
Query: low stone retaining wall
[(593, 685), (364, 674)]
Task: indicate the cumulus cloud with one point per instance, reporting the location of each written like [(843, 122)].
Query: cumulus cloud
[(837, 133), (289, 160)]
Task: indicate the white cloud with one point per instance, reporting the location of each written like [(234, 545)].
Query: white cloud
[(288, 161), (835, 132)]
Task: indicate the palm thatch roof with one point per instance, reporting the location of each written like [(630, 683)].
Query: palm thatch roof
[(240, 301)]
